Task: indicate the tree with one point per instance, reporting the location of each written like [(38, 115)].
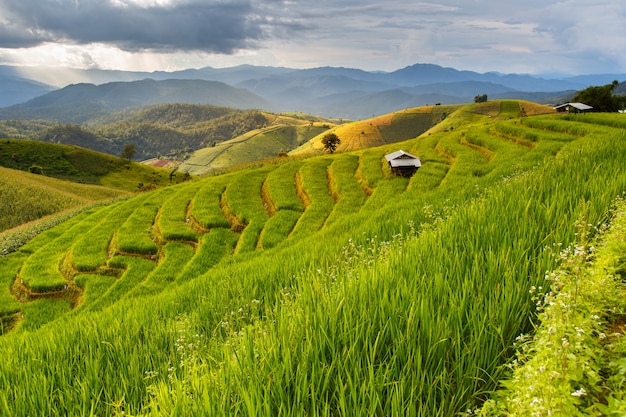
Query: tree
[(601, 98), (480, 99), (128, 152), (331, 141)]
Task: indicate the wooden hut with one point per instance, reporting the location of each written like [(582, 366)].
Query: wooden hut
[(403, 163)]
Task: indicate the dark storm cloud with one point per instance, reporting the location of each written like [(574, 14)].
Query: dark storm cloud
[(212, 26)]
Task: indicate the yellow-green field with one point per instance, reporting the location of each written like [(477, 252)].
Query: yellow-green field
[(27, 197), (381, 130), (284, 135), (319, 286)]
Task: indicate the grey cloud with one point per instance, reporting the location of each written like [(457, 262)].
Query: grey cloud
[(212, 26)]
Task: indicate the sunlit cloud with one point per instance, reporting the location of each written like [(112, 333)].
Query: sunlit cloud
[(567, 36)]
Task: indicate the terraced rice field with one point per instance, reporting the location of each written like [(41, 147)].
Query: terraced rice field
[(323, 285), (253, 210)]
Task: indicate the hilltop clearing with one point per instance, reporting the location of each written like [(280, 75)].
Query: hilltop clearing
[(314, 286)]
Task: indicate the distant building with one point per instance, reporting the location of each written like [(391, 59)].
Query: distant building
[(403, 163), (573, 108)]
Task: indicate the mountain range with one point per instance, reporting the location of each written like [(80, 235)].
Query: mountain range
[(328, 91)]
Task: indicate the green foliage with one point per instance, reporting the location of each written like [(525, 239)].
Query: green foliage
[(135, 235), (601, 98), (480, 98), (343, 184), (281, 184), (91, 251), (128, 152), (330, 142), (573, 363), (25, 200), (248, 209), (72, 134)]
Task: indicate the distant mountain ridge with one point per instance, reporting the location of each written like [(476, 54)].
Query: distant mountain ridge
[(78, 103), (327, 91)]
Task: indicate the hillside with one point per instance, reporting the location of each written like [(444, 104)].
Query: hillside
[(410, 123), (27, 197), (283, 134), (167, 131), (317, 286), (80, 165)]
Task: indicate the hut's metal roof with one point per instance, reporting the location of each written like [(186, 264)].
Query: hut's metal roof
[(577, 106), (399, 159)]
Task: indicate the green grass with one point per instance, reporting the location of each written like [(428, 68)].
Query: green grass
[(281, 185), (27, 197), (314, 182), (213, 248), (43, 311), (94, 286), (409, 303), (174, 215), (206, 207), (9, 268), (43, 270), (351, 196), (135, 235), (244, 198), (91, 250), (176, 256), (135, 272), (79, 164), (573, 363), (278, 228)]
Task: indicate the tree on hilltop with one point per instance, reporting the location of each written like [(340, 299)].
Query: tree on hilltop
[(601, 98), (480, 98), (331, 141), (128, 152)]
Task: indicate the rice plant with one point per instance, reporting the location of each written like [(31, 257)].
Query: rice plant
[(212, 248), (281, 184), (315, 184), (351, 196), (175, 214), (135, 235), (135, 272), (176, 256), (244, 198), (42, 270), (206, 207), (91, 250), (278, 228)]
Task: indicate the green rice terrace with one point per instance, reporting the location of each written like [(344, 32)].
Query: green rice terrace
[(322, 286)]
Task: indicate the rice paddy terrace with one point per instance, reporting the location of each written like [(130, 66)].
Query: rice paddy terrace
[(320, 286)]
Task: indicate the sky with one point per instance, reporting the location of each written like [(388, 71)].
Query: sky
[(508, 36)]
